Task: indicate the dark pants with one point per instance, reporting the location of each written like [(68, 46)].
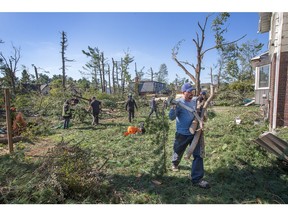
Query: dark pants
[(180, 144), (66, 122), (95, 118), (153, 110), (131, 115)]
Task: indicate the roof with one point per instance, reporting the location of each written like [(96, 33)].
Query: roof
[(264, 22), (260, 60)]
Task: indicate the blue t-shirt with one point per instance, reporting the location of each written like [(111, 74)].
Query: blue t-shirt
[(183, 117)]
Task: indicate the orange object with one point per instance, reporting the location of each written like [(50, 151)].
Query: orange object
[(132, 130), (19, 124)]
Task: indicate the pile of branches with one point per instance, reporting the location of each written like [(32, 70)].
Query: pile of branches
[(70, 173)]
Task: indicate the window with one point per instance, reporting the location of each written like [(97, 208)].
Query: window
[(263, 81)]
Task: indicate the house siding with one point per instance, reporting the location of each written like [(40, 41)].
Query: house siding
[(274, 32)]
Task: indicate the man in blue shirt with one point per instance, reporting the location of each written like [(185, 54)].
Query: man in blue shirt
[(183, 136)]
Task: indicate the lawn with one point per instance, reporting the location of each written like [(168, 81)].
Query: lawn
[(98, 164)]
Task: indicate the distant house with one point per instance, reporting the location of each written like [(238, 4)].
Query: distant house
[(276, 65), (149, 87), (44, 89)]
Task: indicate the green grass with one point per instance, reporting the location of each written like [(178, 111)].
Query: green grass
[(136, 168)]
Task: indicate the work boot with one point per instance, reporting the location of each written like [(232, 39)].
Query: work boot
[(175, 168), (202, 184)]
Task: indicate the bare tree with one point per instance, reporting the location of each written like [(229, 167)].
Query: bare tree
[(64, 45), (151, 73), (199, 43), (9, 65), (109, 78), (102, 62)]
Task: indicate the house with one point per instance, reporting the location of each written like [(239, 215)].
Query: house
[(44, 89), (149, 87), (275, 64)]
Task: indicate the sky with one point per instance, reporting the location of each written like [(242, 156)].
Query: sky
[(149, 37)]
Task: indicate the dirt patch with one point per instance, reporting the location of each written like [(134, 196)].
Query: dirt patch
[(38, 149)]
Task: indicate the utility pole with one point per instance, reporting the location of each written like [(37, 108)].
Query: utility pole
[(8, 120)]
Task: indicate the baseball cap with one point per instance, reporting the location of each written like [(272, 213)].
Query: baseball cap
[(187, 87), (203, 93)]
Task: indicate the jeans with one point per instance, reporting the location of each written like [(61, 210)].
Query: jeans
[(66, 122), (180, 144)]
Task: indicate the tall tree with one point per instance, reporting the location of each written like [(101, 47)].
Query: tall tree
[(36, 73), (96, 65), (139, 74), (237, 60), (217, 27), (151, 74), (125, 76), (25, 76), (102, 70), (64, 45), (162, 75), (9, 67)]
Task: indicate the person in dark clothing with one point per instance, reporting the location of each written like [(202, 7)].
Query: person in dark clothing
[(130, 104), (95, 106), (153, 106), (66, 114)]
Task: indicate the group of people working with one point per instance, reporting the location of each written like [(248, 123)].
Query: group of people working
[(94, 108), (184, 120), (131, 105)]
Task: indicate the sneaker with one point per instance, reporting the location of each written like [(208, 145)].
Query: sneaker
[(202, 184), (175, 168)]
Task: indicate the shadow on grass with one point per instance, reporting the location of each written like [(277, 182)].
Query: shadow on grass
[(229, 185)]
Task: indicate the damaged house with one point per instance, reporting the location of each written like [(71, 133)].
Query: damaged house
[(271, 84)]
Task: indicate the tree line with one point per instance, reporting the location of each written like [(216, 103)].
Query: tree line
[(113, 76), (105, 76)]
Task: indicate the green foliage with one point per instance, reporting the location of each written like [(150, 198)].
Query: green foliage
[(38, 126), (98, 164), (234, 93), (159, 128)]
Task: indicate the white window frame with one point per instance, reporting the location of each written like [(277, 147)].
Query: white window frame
[(257, 77)]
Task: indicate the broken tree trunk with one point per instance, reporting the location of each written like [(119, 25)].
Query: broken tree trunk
[(199, 132)]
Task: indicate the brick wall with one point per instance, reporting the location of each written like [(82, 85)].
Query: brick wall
[(283, 91), (282, 108)]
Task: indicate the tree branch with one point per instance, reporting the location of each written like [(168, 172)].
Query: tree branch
[(185, 70), (225, 44)]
